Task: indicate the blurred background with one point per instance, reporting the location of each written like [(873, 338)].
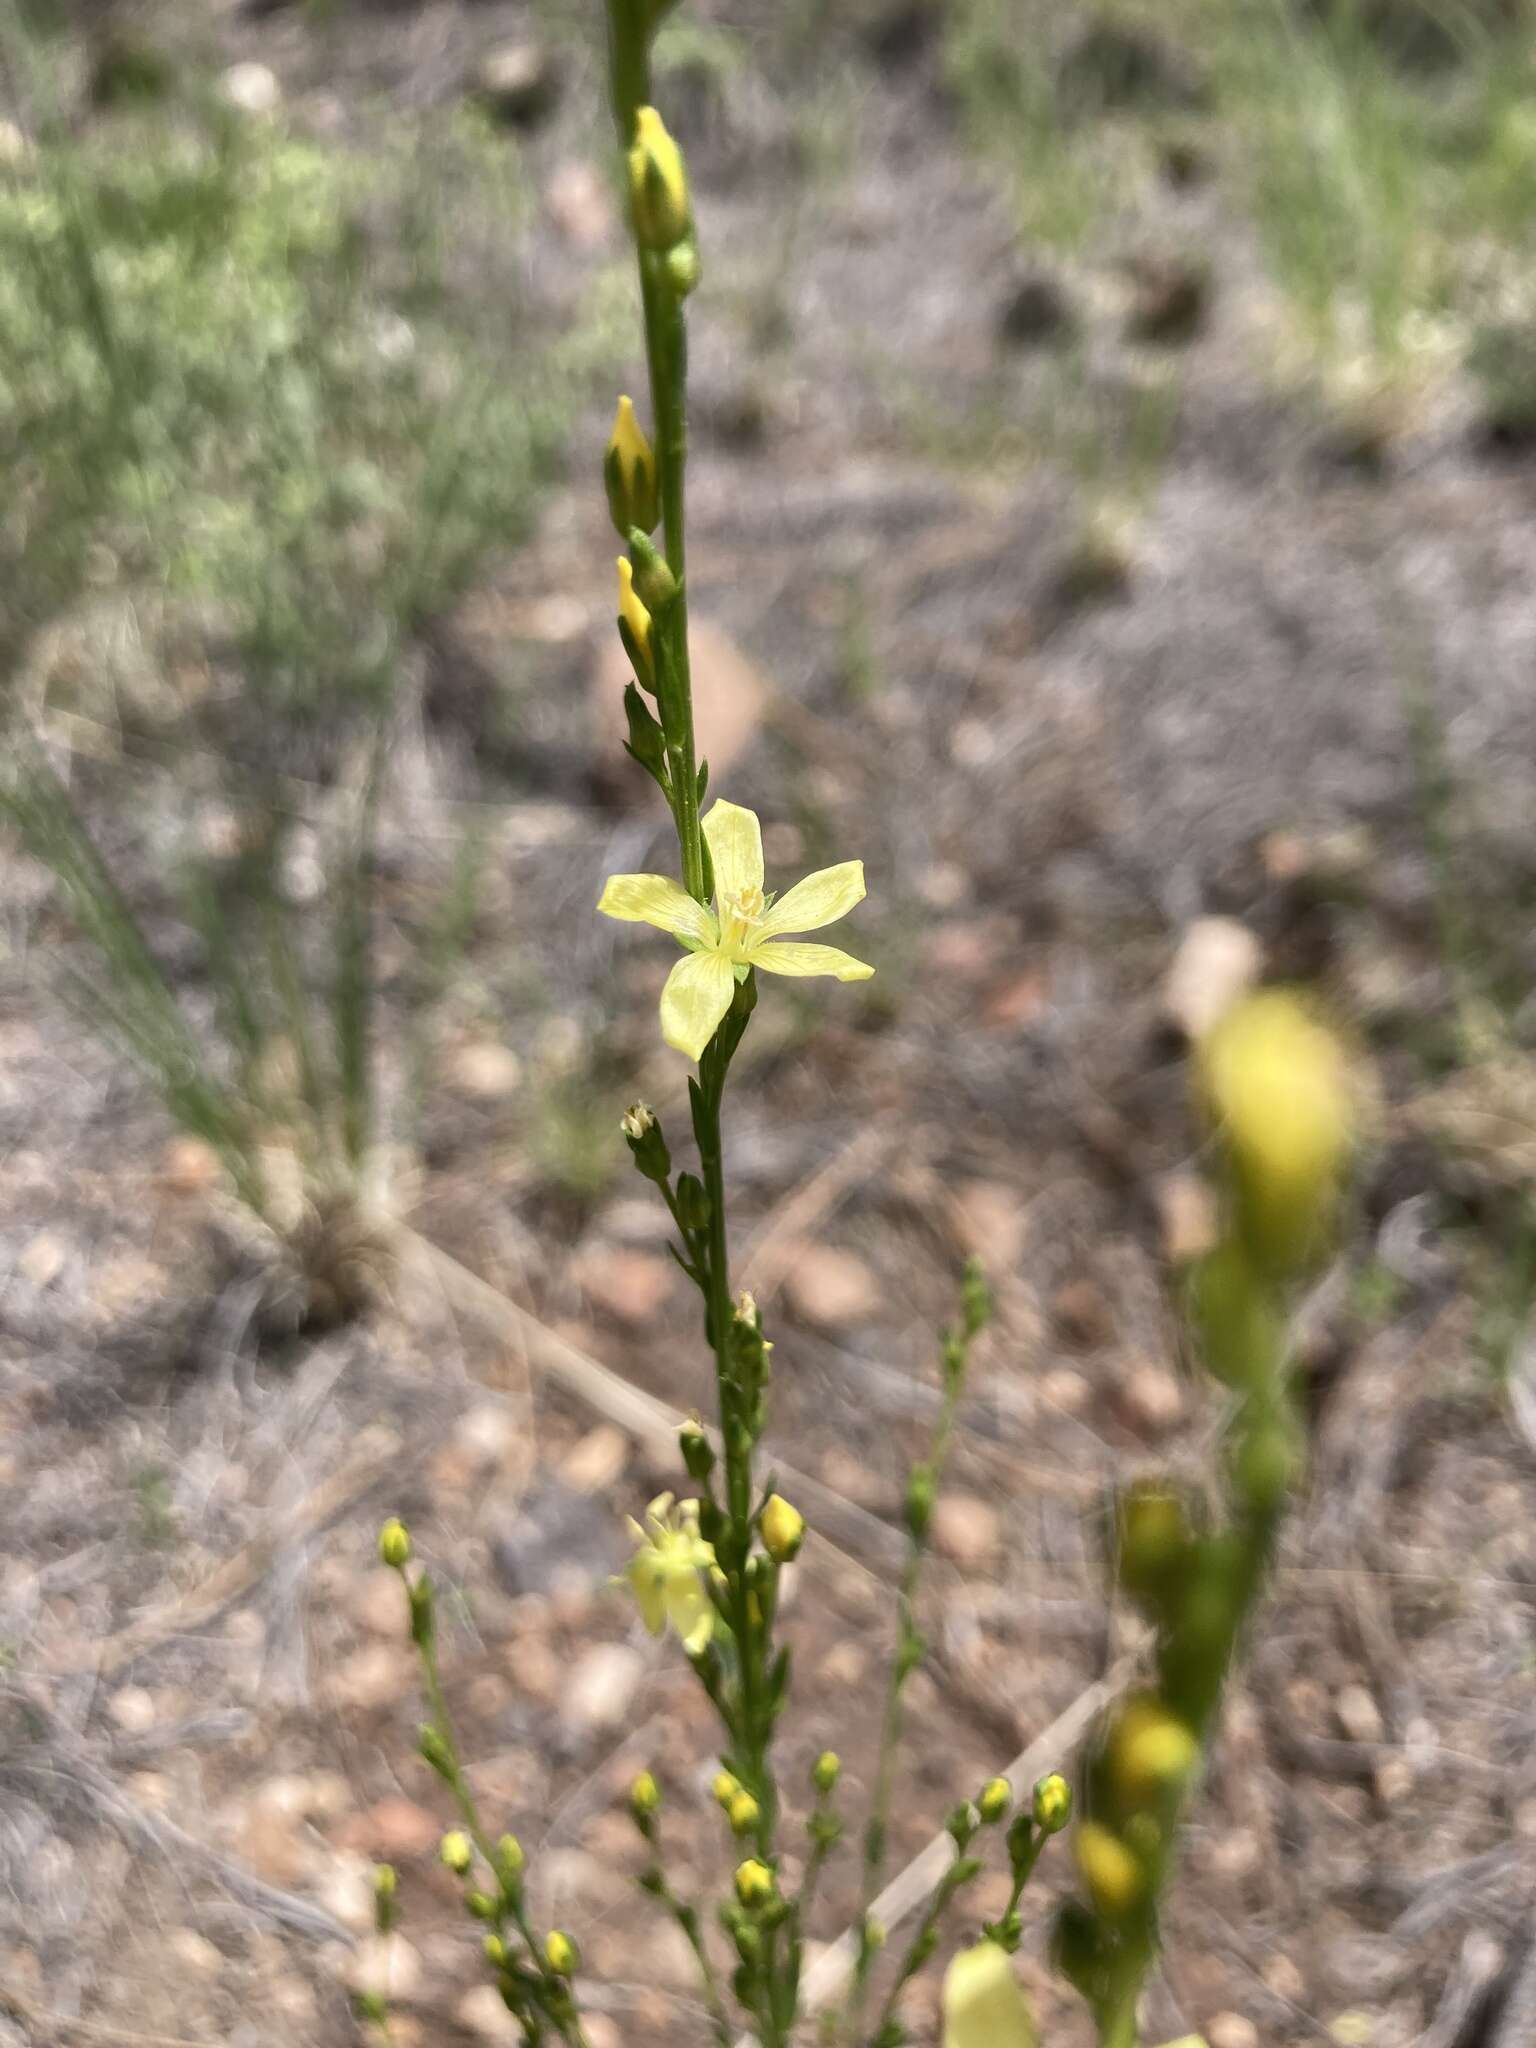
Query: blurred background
[(1113, 434)]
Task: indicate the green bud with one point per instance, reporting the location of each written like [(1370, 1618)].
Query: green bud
[(385, 1885), (1052, 1803), (826, 1771), (683, 267), (421, 1612), (480, 1906), (975, 1299), (994, 1799), (495, 1951), (509, 1862), (920, 1497), (434, 1749), (1155, 1541), (655, 585), (395, 1544), (1241, 1336), (698, 1452)]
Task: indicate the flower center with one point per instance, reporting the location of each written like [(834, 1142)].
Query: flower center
[(740, 915)]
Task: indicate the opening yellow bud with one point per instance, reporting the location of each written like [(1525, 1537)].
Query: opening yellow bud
[(561, 1954), (395, 1543), (1151, 1752), (637, 621), (782, 1528), (725, 1788), (754, 1882), (456, 1852), (1114, 1877), (658, 185), (743, 1813), (1052, 1803), (994, 1799), (629, 475)]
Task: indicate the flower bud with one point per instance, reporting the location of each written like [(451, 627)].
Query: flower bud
[(658, 185), (994, 1799), (457, 1852), (561, 1953), (782, 1528), (385, 1885), (494, 1950), (826, 1771), (480, 1906), (1052, 1803), (920, 1495), (1113, 1875), (754, 1882), (395, 1544), (644, 1796), (629, 474), (683, 267), (509, 1861), (1151, 1752), (698, 1453), (725, 1788), (655, 585), (431, 1746), (872, 1935), (635, 627), (642, 1134), (743, 1813), (1276, 1083)]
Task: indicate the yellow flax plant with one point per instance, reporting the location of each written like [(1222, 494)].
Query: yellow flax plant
[(1275, 1086), (708, 1567)]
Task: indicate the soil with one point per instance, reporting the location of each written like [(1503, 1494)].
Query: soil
[(207, 1699)]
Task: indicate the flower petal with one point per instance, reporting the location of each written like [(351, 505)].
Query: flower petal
[(786, 956), (656, 899), (820, 899), (697, 995), (736, 849), (650, 1591), (690, 1612)]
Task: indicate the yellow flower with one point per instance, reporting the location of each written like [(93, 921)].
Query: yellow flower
[(633, 614), (983, 2004), (1151, 1751), (664, 1572), (658, 184), (745, 929), (629, 474), (1113, 1874)]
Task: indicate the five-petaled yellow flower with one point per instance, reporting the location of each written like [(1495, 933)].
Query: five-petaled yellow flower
[(665, 1572), (745, 929)]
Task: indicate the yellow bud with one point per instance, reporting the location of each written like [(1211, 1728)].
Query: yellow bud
[(1115, 1879), (1052, 1806), (561, 1953), (629, 475), (743, 1813), (984, 2006), (495, 1950), (782, 1528), (658, 184), (725, 1788), (637, 620), (644, 1796), (385, 1882), (1277, 1084), (994, 1799), (1151, 1751), (395, 1543), (754, 1882), (456, 1852)]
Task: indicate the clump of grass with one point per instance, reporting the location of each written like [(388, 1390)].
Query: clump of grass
[(255, 428)]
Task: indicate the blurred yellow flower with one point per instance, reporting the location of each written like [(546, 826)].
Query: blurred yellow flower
[(983, 2004), (745, 929), (664, 1573)]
